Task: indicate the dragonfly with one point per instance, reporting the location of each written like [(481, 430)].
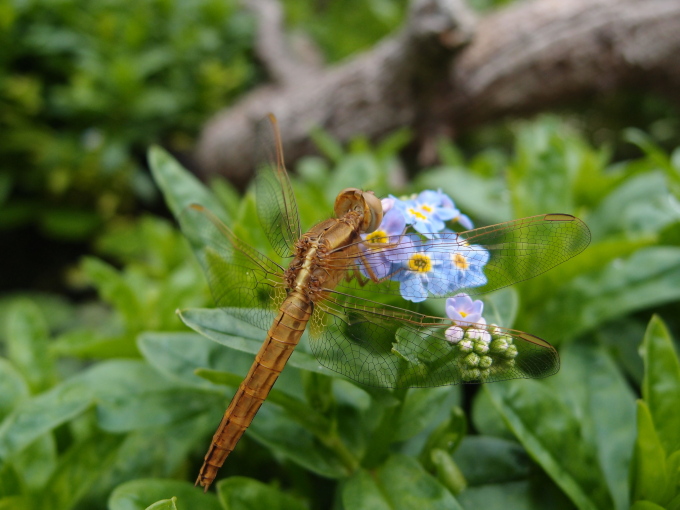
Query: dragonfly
[(343, 282)]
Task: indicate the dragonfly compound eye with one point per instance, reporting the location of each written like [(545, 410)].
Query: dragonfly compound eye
[(365, 202)]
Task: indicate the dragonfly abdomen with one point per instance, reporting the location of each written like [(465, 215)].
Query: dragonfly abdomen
[(282, 337)]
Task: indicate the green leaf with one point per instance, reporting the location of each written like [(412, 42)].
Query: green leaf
[(139, 494), (423, 407), (78, 470), (491, 460), (179, 187), (650, 277), (274, 428), (640, 205), (352, 169), (115, 290), (447, 435), (328, 145), (476, 196), (501, 307), (485, 418), (400, 484), (519, 495), (154, 409), (164, 504), (37, 462), (649, 474), (10, 483), (448, 472), (157, 452), (27, 342), (36, 416), (90, 344), (241, 493), (178, 356), (362, 492), (107, 381), (227, 194), (604, 404), (647, 145), (661, 383), (14, 502), (69, 223), (646, 505), (13, 387), (224, 329), (537, 294), (552, 435)]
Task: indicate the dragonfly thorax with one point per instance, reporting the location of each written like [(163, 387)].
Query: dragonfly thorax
[(320, 261)]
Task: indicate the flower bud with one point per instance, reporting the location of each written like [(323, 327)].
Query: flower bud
[(485, 362), (471, 360), (478, 334), (480, 347), (511, 352), (466, 346), (472, 374), (454, 334), (508, 364), (494, 330), (499, 346)]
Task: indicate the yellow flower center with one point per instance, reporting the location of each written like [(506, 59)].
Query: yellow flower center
[(463, 314), (417, 214), (460, 261), (377, 237), (420, 263)]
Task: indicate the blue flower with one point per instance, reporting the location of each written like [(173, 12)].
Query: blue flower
[(386, 235), (421, 270), (463, 219), (469, 262), (428, 211), (461, 309)]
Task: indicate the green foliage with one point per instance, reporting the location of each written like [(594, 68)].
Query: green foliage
[(656, 457), (113, 404), (327, 23), (85, 87)]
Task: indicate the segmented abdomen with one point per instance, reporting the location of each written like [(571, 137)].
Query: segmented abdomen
[(282, 337)]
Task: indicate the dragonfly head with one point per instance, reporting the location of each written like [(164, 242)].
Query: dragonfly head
[(363, 202)]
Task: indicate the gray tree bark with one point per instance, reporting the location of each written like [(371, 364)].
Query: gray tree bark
[(447, 70)]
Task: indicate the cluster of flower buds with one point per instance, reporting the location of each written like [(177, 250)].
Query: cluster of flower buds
[(483, 349)]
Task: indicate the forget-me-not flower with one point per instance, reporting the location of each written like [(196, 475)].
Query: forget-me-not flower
[(421, 270), (462, 309), (387, 234)]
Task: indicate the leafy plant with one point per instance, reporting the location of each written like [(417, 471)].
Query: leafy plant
[(85, 87), (121, 411)]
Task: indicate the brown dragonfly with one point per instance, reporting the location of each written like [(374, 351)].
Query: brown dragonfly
[(338, 278)]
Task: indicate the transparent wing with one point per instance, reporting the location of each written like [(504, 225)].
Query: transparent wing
[(391, 347), (476, 261), (276, 207), (244, 283)]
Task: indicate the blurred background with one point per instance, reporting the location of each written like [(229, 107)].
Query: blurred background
[(513, 108)]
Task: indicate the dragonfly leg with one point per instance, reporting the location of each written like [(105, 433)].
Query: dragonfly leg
[(362, 280)]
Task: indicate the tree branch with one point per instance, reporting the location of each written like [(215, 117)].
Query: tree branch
[(527, 57)]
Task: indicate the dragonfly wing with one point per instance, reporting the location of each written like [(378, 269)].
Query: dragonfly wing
[(276, 207), (391, 347), (244, 283), (476, 261), (524, 248)]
